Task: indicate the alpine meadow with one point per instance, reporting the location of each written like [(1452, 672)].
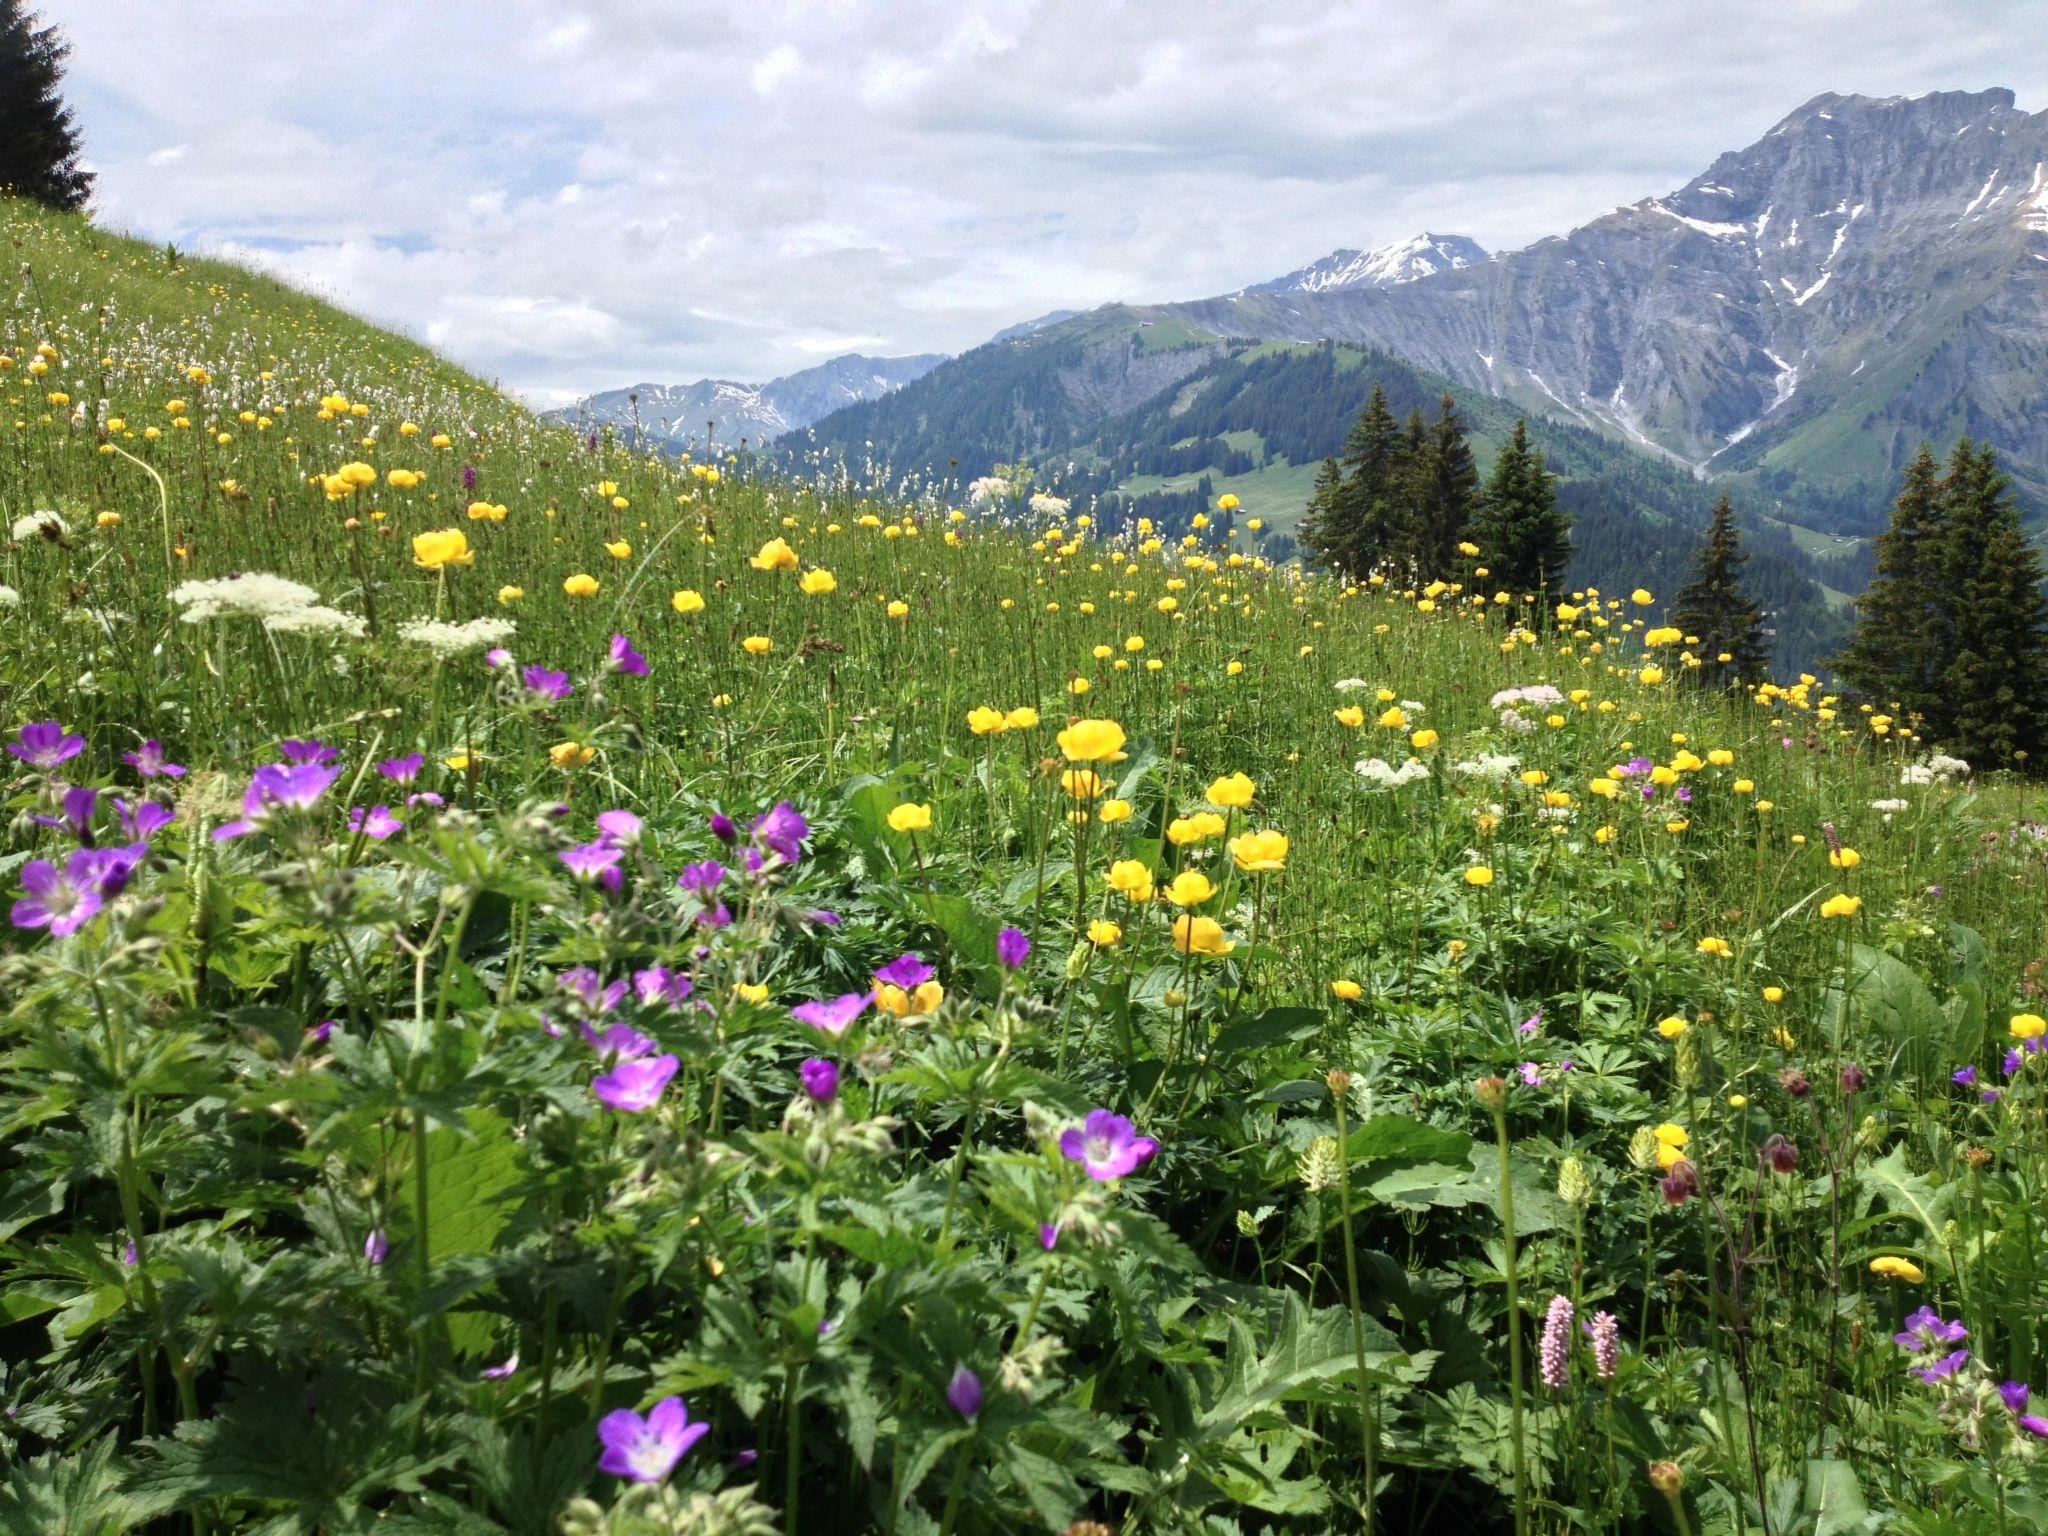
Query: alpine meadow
[(566, 977)]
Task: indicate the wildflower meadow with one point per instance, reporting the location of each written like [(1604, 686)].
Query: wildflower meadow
[(554, 990)]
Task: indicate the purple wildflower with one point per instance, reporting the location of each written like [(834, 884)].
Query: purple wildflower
[(647, 1450), (658, 986), (1532, 1074), (590, 862), (376, 1247), (2014, 1394), (61, 900), (497, 656), (505, 1371), (702, 878), (543, 684), (148, 760), (1554, 1351), (626, 660), (1532, 1026), (589, 988), (1107, 1145), (835, 1016), (905, 971), (1779, 1155), (1049, 1236), (1684, 795), (300, 753), (782, 830), (377, 822), (820, 1080), (965, 1394), (79, 807), (621, 827), (278, 787), (2013, 1062), (1012, 949), (1853, 1079), (1965, 1077), (1605, 1332), (132, 1256), (319, 1034), (144, 819), (633, 1086), (620, 1042), (1943, 1368), (723, 829), (46, 745), (1925, 1330), (402, 770)]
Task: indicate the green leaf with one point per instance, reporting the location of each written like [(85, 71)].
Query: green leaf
[(1909, 1193), (1268, 1028), (1835, 1498)]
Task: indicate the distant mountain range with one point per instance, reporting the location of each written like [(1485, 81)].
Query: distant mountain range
[(1422, 256), (683, 416)]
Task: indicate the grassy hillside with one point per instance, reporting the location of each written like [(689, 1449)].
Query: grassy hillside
[(548, 990)]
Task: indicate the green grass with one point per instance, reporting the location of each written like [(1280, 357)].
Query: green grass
[(337, 1091)]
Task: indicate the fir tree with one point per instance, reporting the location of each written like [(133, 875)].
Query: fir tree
[(1995, 681), (1524, 538), (1321, 534), (1896, 658), (1729, 628), (1445, 490), (38, 144), (1368, 503)]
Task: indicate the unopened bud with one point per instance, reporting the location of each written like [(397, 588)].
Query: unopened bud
[(1492, 1093), (1668, 1478)]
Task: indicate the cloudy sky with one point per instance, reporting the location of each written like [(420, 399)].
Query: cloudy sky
[(575, 196)]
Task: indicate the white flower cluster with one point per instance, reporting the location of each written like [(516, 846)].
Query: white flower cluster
[(1938, 769), (448, 641), (9, 598), (1380, 774), (1046, 506), (1350, 684), (282, 606), (1487, 765), (40, 525), (988, 488), (1537, 695)]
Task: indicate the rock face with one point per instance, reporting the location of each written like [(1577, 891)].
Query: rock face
[(1869, 273), (1420, 256), (723, 411)]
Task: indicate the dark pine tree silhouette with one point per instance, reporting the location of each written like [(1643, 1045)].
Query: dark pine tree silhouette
[(1445, 493), (38, 144), (1369, 501), (1525, 539), (1717, 615), (1996, 677), (1322, 534), (1896, 657)]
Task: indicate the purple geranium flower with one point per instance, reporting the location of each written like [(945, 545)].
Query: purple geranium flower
[(1049, 1235), (1107, 1145), (1532, 1026), (497, 656), (625, 659), (621, 827), (782, 830), (144, 819), (61, 900), (702, 878), (820, 1080), (46, 745), (1926, 1330), (2014, 1394), (317, 753), (834, 1016), (905, 971), (402, 770), (80, 805), (543, 684), (376, 1247), (647, 1450), (658, 986), (1965, 1077), (589, 988), (377, 822), (964, 1393), (723, 829), (621, 1042), (503, 1372), (148, 760), (1532, 1074), (278, 787), (633, 1086), (1012, 949), (1943, 1368), (592, 861)]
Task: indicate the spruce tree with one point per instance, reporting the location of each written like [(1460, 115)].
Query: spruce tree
[(1895, 659), (1368, 502), (1713, 607), (38, 144), (1995, 682), (1322, 535), (1446, 489), (1524, 537)]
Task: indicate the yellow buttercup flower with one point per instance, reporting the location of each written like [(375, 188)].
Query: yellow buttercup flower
[(1891, 1267), (687, 601), (1720, 948), (910, 817), (619, 549), (1093, 741), (1774, 994), (1024, 718), (508, 595), (984, 721), (1479, 875), (2026, 1026), (1350, 991), (1673, 1026), (580, 585), (1260, 853), (1350, 715), (1194, 935), (1233, 791), (1841, 906), (1844, 858), (1131, 879), (1084, 784), (1190, 888), (441, 549), (775, 555), (1113, 811), (1104, 934), (757, 645), (818, 583), (1190, 831)]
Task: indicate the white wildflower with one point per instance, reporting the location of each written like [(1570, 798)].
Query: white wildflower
[(448, 641), (40, 525), (9, 598), (988, 488), (1351, 684), (1889, 806), (314, 619), (1536, 694), (254, 595), (1380, 774), (1047, 506), (1488, 765)]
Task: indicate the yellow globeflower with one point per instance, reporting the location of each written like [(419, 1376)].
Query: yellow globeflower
[(1232, 792), (1673, 1026), (1190, 888), (910, 817), (1104, 934), (404, 479), (757, 645), (1844, 858), (1347, 989), (1093, 741), (1641, 597), (1112, 811), (1891, 1267), (687, 601), (441, 549), (1774, 994), (1084, 783), (775, 555), (1188, 831), (1841, 906), (1422, 741), (619, 549), (1350, 715), (898, 609), (2027, 1026), (984, 721), (1194, 935), (1479, 875), (580, 585), (818, 583), (1719, 948), (1024, 718), (1395, 719), (509, 595), (358, 475), (1132, 879), (1260, 853), (570, 754)]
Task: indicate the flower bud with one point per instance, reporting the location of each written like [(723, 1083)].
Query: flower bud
[(1853, 1079), (1668, 1478), (1779, 1155), (1794, 1082), (1492, 1093)]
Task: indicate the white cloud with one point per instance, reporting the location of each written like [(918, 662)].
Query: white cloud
[(576, 197)]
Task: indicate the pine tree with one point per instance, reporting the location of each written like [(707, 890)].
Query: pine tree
[(1321, 533), (1995, 681), (1368, 503), (1895, 659), (38, 144), (1714, 608), (1524, 538), (1446, 488)]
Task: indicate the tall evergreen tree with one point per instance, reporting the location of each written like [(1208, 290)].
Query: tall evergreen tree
[(1322, 535), (1712, 606), (38, 144), (1995, 682), (1896, 658), (1369, 501), (1524, 537), (1445, 493)]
